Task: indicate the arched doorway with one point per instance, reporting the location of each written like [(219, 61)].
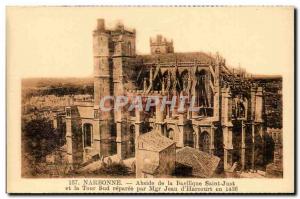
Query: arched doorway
[(204, 142), (87, 135)]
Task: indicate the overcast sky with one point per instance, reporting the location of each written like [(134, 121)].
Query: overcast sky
[(57, 42)]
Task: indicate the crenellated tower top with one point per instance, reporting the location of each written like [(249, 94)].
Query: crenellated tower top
[(160, 45)]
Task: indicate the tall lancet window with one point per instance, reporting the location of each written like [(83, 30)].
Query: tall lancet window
[(87, 134)]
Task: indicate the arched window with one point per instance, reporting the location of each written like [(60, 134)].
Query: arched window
[(87, 134), (170, 134), (202, 93), (204, 142), (132, 140), (185, 80), (166, 81)]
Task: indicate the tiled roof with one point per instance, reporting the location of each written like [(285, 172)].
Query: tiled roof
[(203, 164), (180, 57), (154, 141)]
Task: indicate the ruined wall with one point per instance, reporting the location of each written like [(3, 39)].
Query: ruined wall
[(74, 136)]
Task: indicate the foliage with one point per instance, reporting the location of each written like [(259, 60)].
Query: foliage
[(39, 138)]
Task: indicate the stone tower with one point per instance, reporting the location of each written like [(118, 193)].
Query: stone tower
[(113, 53), (103, 124), (102, 70), (123, 52)]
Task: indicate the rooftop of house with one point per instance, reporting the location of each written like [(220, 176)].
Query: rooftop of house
[(177, 57), (154, 141), (203, 164)]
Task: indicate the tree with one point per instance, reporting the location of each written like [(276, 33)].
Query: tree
[(39, 138)]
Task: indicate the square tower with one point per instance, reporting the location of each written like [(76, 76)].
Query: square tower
[(160, 45)]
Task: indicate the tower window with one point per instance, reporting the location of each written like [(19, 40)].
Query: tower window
[(129, 48), (157, 51)]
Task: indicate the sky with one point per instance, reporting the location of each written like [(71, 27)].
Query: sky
[(57, 41)]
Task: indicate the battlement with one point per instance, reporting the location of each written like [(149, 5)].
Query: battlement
[(118, 29)]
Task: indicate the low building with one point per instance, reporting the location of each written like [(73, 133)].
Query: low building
[(155, 155), (193, 162)]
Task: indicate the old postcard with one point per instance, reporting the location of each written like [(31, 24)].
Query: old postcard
[(150, 100)]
